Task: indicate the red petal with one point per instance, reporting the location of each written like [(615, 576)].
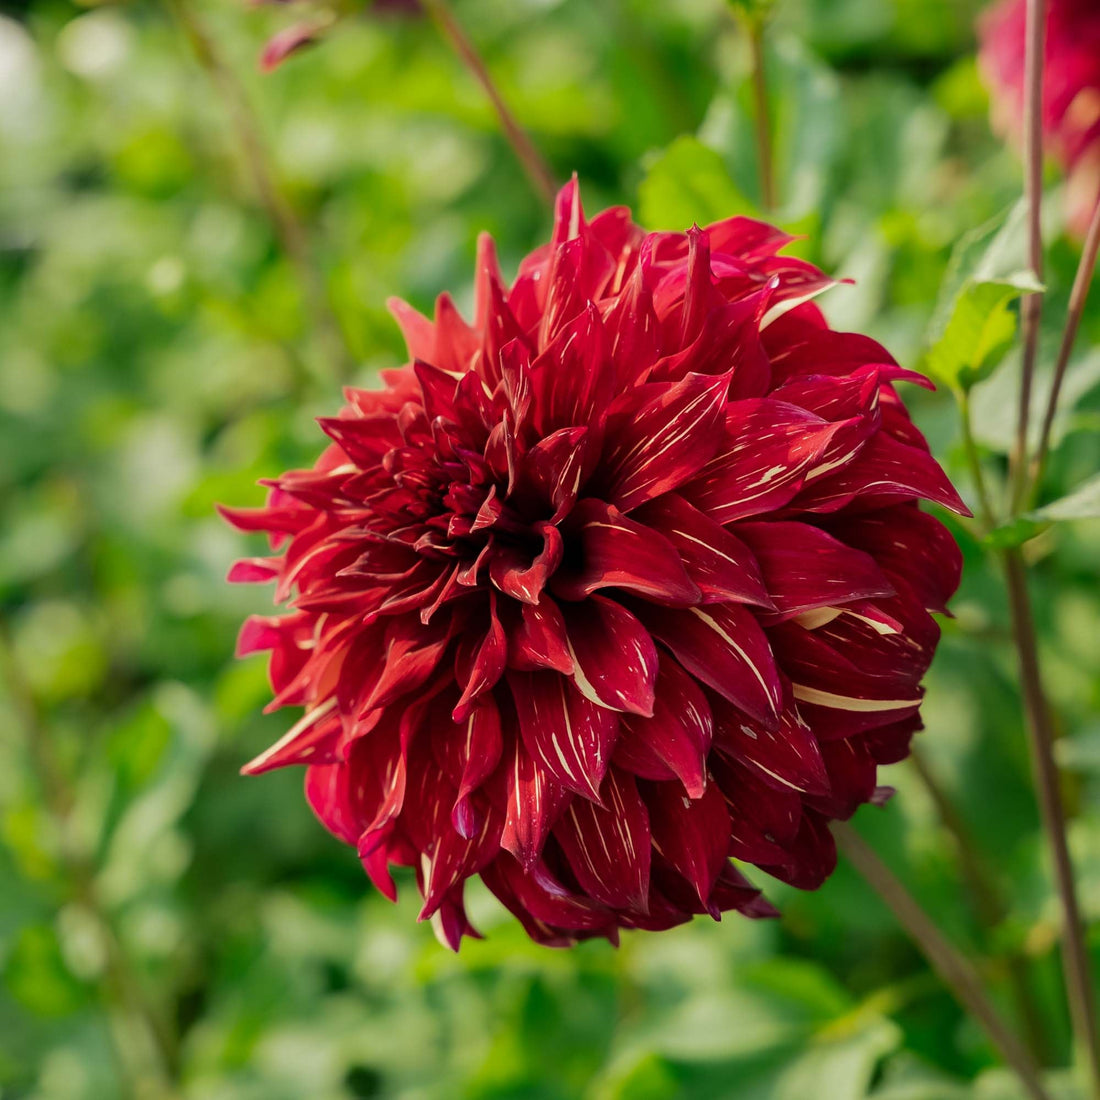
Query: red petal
[(718, 562), (517, 575), (770, 448), (614, 658), (789, 756), (913, 548), (674, 743), (723, 646), (608, 846), (481, 750), (804, 568), (539, 641), (481, 672), (535, 801), (254, 570), (313, 738), (884, 471), (539, 897), (661, 436), (615, 551), (692, 835), (569, 736)]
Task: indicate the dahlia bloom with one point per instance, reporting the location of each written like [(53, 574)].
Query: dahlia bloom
[(624, 579), (1071, 89)]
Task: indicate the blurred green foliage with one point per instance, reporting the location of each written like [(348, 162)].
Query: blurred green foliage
[(168, 929)]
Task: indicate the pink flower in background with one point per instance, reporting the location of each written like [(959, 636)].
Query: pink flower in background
[(297, 36), (622, 580), (1071, 89)]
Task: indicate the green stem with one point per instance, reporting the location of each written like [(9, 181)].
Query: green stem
[(288, 228), (1075, 959), (1032, 305), (765, 153), (1082, 284), (986, 901), (956, 971), (986, 511), (538, 171), (150, 1073)]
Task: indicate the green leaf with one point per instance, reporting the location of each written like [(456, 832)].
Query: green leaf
[(973, 325), (1010, 535), (1082, 503), (689, 184), (981, 329)]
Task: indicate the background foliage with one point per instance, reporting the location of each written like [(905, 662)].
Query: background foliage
[(168, 929)]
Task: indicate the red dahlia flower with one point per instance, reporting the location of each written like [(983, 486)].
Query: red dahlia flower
[(1071, 88), (624, 579)]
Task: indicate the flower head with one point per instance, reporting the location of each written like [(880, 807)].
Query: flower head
[(623, 579), (1071, 88)]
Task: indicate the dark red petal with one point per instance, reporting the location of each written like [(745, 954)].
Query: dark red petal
[(616, 552), (885, 471), (570, 385), (805, 568), (693, 835), (674, 742), (551, 473), (660, 436), (789, 756), (539, 640), (535, 801), (723, 646), (812, 856), (769, 449), (718, 562), (517, 575), (614, 658), (913, 548), (608, 845), (312, 739), (539, 897), (571, 737), (328, 790), (485, 667), (254, 570), (481, 751)]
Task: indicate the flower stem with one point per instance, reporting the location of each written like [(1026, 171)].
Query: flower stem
[(151, 1069), (765, 153), (1082, 283), (986, 512), (1032, 306), (288, 228), (956, 971), (538, 171), (986, 901), (1075, 959)]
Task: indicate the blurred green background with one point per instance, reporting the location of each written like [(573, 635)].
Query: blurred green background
[(169, 929)]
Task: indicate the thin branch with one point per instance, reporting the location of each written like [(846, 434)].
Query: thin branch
[(1032, 306), (986, 900), (1075, 959), (288, 228), (1082, 283), (119, 982), (955, 970), (765, 153), (538, 171), (986, 512)]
